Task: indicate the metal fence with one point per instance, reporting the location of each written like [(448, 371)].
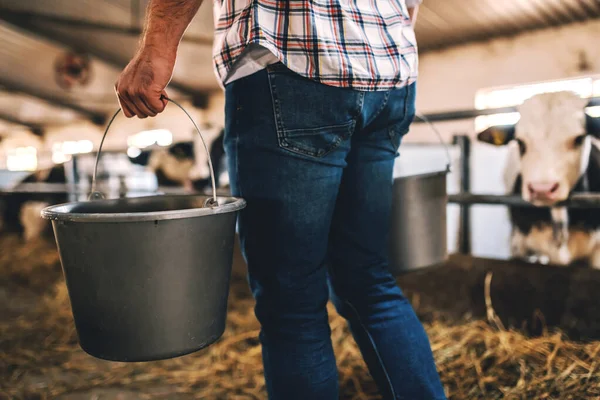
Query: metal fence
[(466, 199)]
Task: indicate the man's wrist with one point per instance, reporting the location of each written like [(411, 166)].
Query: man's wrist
[(158, 46)]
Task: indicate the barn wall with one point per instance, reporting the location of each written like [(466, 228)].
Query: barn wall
[(449, 79)]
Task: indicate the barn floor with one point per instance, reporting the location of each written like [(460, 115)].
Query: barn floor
[(40, 358)]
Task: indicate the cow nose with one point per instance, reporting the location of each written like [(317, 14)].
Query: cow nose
[(542, 189)]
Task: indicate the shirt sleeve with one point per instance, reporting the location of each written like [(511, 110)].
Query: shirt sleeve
[(412, 3)]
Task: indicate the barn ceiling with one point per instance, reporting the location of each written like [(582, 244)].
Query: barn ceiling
[(443, 23), (36, 33)]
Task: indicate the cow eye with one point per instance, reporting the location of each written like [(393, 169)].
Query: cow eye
[(522, 147), (578, 141)]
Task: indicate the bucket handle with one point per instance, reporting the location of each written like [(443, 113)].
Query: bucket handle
[(210, 202), (439, 135)]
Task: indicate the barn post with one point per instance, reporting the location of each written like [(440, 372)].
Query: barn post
[(464, 144), (73, 195)]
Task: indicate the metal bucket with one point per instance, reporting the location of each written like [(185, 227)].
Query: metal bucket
[(147, 277), (418, 228)]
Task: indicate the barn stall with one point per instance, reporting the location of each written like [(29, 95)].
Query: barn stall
[(499, 327)]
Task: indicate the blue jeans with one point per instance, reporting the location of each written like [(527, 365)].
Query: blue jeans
[(314, 163)]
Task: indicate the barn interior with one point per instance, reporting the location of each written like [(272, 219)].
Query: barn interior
[(500, 326)]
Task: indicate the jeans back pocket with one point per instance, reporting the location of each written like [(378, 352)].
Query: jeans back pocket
[(312, 119)]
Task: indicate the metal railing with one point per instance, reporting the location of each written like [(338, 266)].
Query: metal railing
[(464, 199), (577, 200), (467, 114)]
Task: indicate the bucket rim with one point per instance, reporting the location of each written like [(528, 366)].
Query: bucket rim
[(62, 212), (443, 172)]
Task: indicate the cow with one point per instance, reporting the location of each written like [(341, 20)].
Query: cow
[(553, 152), (21, 211), (173, 165)]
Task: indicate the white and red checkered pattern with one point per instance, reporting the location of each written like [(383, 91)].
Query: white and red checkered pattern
[(359, 44)]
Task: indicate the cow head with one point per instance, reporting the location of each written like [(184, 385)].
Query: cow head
[(553, 139), (182, 151), (171, 165)]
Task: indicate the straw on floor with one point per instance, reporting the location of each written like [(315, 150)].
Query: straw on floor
[(40, 358)]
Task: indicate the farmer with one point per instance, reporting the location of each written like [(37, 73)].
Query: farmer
[(318, 95)]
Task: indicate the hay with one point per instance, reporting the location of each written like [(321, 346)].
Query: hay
[(34, 265), (40, 357)]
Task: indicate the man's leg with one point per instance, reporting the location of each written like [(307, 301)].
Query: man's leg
[(391, 338), (286, 141)]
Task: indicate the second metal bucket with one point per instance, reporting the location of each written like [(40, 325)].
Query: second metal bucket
[(147, 277), (418, 233)]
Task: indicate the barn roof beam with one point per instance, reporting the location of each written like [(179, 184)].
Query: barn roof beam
[(33, 127), (28, 24), (11, 86), (86, 24)]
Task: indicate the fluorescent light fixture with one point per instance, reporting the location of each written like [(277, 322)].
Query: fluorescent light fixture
[(22, 159), (73, 147), (133, 152), (485, 121), (164, 139), (596, 88), (85, 146), (69, 147), (585, 87), (510, 96), (593, 112), (161, 137), (58, 157)]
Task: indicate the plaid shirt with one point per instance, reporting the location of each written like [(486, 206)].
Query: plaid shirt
[(359, 44)]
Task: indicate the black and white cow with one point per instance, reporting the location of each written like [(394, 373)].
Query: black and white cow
[(172, 166), (20, 212), (553, 153)]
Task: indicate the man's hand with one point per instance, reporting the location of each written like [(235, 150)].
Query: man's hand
[(141, 86)]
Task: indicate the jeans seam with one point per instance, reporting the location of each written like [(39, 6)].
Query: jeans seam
[(392, 129), (359, 106), (278, 124), (362, 325), (406, 100), (237, 163), (386, 97)]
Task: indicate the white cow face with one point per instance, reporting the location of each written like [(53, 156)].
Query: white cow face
[(552, 139)]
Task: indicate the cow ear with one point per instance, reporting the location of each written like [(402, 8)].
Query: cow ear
[(497, 135), (592, 125)]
